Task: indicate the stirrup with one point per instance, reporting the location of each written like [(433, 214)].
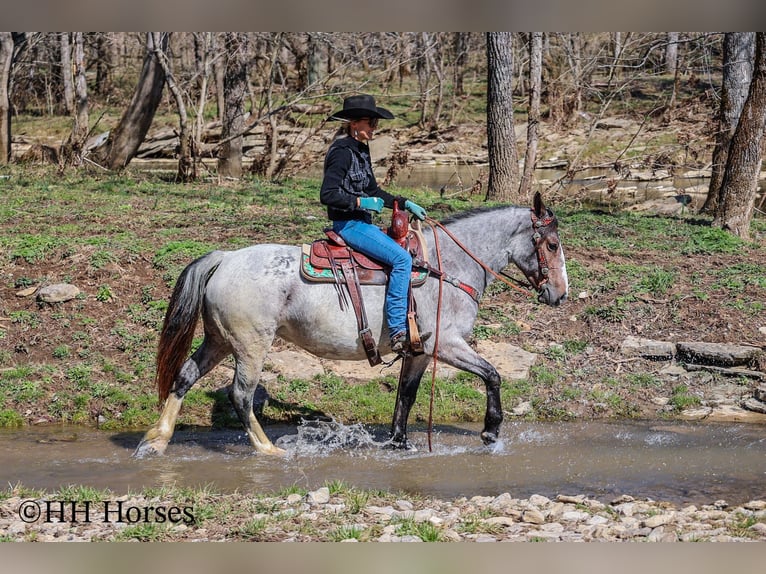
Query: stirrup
[(400, 343)]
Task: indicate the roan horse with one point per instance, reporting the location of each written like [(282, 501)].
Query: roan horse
[(249, 296)]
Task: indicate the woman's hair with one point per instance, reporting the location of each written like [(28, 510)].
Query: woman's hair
[(343, 130)]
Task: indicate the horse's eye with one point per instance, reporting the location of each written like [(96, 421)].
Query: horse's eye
[(552, 247)]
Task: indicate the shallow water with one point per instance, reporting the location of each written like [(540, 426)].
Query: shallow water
[(677, 462)]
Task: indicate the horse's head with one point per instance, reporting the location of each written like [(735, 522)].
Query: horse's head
[(547, 270)]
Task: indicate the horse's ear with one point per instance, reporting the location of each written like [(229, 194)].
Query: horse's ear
[(538, 205)]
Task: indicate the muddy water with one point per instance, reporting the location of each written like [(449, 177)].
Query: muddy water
[(682, 463)]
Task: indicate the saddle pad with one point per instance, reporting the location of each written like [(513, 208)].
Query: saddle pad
[(320, 274), (322, 252)]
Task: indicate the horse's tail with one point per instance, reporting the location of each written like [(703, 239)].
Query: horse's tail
[(181, 319)]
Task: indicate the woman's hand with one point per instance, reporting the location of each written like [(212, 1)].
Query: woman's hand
[(371, 203), (415, 210)]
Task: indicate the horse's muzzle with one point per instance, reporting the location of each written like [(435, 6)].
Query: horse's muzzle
[(549, 297)]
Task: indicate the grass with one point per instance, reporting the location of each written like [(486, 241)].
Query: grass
[(93, 358)]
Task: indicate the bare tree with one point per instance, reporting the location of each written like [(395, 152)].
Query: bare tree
[(501, 138), (6, 59), (104, 63), (740, 181), (533, 115), (186, 166), (671, 54), (80, 90), (73, 149), (235, 91), (738, 54), (125, 139), (66, 72)]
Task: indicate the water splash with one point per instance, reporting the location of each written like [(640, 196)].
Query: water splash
[(325, 437)]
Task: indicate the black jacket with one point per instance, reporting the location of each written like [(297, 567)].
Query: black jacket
[(348, 175)]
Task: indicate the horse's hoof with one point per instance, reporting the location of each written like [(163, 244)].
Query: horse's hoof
[(488, 438), (276, 451), (147, 449), (402, 444)]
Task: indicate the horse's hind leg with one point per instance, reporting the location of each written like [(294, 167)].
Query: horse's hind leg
[(156, 439), (412, 371), (246, 376)]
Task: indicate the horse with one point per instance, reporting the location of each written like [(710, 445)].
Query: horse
[(248, 297)]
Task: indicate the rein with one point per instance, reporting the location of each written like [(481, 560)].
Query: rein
[(502, 277)]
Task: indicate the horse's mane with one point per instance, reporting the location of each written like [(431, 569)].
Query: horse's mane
[(473, 212), (481, 210)]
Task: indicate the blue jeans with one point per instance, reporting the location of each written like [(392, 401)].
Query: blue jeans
[(373, 242)]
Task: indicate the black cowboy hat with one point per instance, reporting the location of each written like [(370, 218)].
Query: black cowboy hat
[(361, 106)]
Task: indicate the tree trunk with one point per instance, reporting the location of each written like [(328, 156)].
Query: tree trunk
[(422, 66), (6, 59), (460, 58), (738, 54), (533, 116), (186, 166), (313, 62), (501, 138), (743, 166), (219, 71), (671, 54), (125, 139), (235, 91), (203, 44), (81, 91), (72, 149), (66, 72), (104, 64)]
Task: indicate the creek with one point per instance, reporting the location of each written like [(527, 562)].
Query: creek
[(679, 462)]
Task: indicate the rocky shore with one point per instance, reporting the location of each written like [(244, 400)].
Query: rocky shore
[(352, 515)]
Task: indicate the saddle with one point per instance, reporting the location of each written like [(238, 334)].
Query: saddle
[(331, 260)]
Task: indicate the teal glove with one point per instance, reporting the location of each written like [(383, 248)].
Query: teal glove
[(415, 209), (371, 203)]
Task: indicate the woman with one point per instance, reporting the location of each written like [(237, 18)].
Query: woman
[(350, 192)]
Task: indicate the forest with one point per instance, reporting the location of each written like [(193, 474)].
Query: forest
[(252, 102)]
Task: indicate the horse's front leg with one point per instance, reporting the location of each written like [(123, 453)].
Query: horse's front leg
[(409, 382), (460, 355)]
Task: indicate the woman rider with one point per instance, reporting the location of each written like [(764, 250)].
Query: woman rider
[(350, 192)]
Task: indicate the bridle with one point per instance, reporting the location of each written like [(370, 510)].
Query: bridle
[(539, 227), (540, 230)]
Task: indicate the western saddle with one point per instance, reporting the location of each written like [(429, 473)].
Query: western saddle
[(331, 260)]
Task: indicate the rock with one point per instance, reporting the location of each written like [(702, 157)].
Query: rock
[(696, 413), (29, 291), (511, 362), (753, 404), (673, 371), (58, 293), (658, 520), (647, 348), (760, 393), (320, 496), (575, 516), (539, 501), (533, 516), (499, 521), (611, 123), (717, 354), (522, 409)]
